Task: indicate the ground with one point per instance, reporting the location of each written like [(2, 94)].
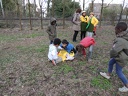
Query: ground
[(26, 71)]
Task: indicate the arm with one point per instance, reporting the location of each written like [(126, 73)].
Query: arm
[(82, 19), (116, 49), (49, 31), (96, 21), (74, 19)]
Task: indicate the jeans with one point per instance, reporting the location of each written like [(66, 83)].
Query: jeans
[(90, 34), (118, 70), (51, 41)]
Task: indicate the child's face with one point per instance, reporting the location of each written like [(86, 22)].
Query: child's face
[(84, 14), (54, 22), (117, 31), (64, 45)]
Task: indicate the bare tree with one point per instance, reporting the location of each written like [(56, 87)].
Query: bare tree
[(2, 9), (20, 16), (34, 8), (101, 11), (30, 15), (63, 14), (48, 7), (120, 17), (53, 3), (40, 3)]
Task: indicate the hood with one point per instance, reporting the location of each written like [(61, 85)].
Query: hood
[(52, 19), (124, 35)]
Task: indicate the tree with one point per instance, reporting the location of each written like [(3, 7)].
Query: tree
[(2, 8), (101, 11), (58, 8), (121, 11)]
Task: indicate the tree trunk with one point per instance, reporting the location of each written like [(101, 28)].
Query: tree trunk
[(18, 8), (83, 4), (41, 17), (24, 11), (2, 9), (30, 15), (101, 12), (34, 8), (63, 14), (48, 9), (121, 12), (53, 2)]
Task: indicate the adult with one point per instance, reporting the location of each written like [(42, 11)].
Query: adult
[(76, 23), (84, 22)]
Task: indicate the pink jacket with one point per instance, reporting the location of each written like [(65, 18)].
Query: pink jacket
[(87, 41)]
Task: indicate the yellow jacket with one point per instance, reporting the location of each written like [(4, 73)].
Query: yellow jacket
[(94, 21), (84, 19)]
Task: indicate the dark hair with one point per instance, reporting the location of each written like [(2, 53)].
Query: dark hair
[(78, 10), (56, 41), (64, 41), (121, 26)]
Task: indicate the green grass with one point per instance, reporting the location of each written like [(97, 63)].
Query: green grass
[(65, 69), (100, 82), (4, 38)]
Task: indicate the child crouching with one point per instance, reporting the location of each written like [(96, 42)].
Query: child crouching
[(80, 48), (53, 54)]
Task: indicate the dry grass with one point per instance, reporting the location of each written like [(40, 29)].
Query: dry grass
[(25, 71)]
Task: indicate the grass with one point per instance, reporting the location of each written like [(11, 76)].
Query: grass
[(24, 69), (101, 83)]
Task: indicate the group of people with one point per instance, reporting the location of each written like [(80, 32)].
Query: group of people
[(118, 53), (84, 23)]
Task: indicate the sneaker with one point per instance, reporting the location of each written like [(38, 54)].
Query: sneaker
[(104, 75), (123, 89)]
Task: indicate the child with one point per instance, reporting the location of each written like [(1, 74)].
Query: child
[(67, 46), (84, 43), (53, 54), (51, 30), (84, 22), (119, 55)]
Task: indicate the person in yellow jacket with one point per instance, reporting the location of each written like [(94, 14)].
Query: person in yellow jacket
[(92, 23), (84, 22)]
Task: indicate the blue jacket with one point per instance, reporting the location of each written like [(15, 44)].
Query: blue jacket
[(69, 47)]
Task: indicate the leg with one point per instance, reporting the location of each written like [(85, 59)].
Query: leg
[(75, 35), (121, 75), (51, 41), (81, 36), (110, 68)]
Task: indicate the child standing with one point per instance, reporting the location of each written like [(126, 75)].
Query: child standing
[(51, 30), (84, 22), (67, 46), (119, 55), (92, 23), (53, 54)]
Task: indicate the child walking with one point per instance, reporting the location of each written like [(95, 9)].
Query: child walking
[(53, 54), (119, 55), (51, 30)]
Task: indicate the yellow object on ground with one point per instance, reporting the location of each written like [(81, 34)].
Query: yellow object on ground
[(63, 54)]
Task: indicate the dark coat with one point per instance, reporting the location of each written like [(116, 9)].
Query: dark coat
[(51, 30), (120, 49)]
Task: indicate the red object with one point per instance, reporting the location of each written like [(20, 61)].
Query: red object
[(87, 41)]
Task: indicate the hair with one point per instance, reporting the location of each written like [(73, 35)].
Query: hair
[(121, 26), (92, 13), (64, 41), (79, 48), (56, 41), (78, 10)]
